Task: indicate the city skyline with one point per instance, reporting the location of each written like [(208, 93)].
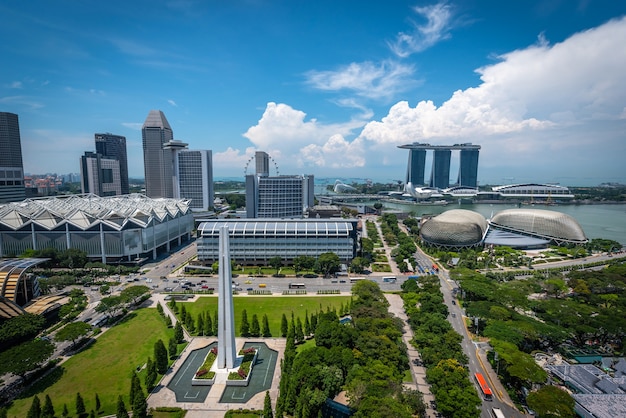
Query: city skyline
[(327, 89)]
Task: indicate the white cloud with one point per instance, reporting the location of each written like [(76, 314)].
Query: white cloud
[(438, 18), (16, 85), (534, 103), (308, 143), (135, 126), (366, 79), (172, 102)]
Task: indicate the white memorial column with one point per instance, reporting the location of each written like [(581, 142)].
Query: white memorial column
[(226, 321)]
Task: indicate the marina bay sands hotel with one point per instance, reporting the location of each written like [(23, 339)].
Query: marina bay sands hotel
[(440, 171)]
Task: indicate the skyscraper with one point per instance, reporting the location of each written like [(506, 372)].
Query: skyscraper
[(114, 146), (11, 165), (440, 170), (278, 196), (100, 175), (195, 178), (155, 133), (440, 175)]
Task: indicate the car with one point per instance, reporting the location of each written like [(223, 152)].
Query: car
[(333, 281), (202, 281), (175, 281), (342, 281), (249, 289), (453, 315), (163, 278), (87, 319), (168, 289), (453, 302), (205, 286)]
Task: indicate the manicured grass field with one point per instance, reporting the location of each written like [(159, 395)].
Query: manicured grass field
[(105, 367), (273, 306)]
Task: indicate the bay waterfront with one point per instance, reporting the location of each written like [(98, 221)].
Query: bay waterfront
[(606, 221)]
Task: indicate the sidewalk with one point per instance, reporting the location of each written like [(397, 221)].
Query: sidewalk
[(396, 307)]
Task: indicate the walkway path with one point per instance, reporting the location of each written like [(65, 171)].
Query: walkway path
[(396, 307)]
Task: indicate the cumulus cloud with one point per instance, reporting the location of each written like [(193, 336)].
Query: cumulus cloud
[(532, 102), (308, 142), (436, 28), (366, 79)]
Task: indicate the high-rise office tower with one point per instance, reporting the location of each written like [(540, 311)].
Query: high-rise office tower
[(440, 170), (262, 162), (416, 167), (440, 174), (155, 133), (278, 196), (11, 165), (468, 168), (195, 178), (100, 175), (114, 146)]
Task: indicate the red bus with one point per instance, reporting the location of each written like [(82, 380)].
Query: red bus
[(484, 388)]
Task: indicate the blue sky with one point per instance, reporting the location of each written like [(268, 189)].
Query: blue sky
[(328, 88)]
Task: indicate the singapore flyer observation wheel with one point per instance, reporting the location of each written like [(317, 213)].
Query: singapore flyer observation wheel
[(272, 163)]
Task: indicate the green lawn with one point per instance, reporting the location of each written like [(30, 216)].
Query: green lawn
[(105, 367), (273, 306)]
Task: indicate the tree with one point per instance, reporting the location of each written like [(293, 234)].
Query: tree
[(178, 333), (550, 401), (110, 305), (134, 293), (327, 263), (200, 324), (173, 348), (265, 330), (48, 409), (80, 405), (35, 408), (65, 412), (267, 406), (160, 357), (140, 406), (255, 328), (276, 262), (25, 357), (21, 328), (151, 375), (299, 332), (135, 387), (245, 326), (121, 408), (284, 326), (208, 324), (72, 332)]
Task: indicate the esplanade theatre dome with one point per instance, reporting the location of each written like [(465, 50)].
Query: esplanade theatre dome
[(454, 228), (554, 226)]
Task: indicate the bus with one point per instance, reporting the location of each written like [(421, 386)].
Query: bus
[(484, 388), (356, 279), (389, 279), (497, 413), (297, 286)]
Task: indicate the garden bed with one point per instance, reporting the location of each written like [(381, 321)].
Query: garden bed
[(241, 377), (204, 376)]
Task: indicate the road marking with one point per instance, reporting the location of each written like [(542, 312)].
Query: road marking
[(191, 397), (233, 396), (189, 361), (268, 368)]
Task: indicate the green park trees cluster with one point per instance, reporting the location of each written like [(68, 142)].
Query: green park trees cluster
[(545, 311), (440, 348), (393, 235), (114, 305), (366, 357)]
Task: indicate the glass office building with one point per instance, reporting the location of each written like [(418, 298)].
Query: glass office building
[(256, 241)]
